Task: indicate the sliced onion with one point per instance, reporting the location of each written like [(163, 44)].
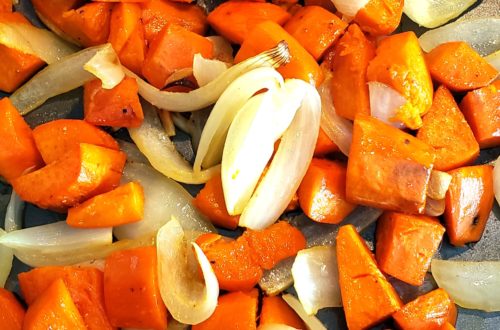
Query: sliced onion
[(434, 207), (385, 103), (189, 298), (163, 198), (274, 326), (311, 322), (496, 179), (207, 70), (288, 166), (134, 155), (167, 122), (35, 41), (439, 183), (203, 97), (155, 144), (230, 102), (481, 34), (494, 59), (6, 259), (14, 213), (178, 75), (48, 243), (338, 129), (316, 278), (280, 277), (473, 285), (433, 13), (65, 75), (250, 141), (106, 66), (223, 51), (349, 7)]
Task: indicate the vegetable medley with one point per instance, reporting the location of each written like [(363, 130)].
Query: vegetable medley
[(308, 121)]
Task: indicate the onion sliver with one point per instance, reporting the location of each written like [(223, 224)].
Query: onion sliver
[(207, 70), (349, 7), (189, 299), (439, 183), (481, 34), (496, 180), (316, 279), (223, 51), (29, 39), (288, 166), (230, 102), (433, 13), (474, 285), (106, 66), (155, 144), (163, 198), (494, 59), (434, 207), (311, 322), (6, 259), (204, 96), (338, 129), (385, 102), (250, 141), (65, 75), (14, 213), (134, 155)]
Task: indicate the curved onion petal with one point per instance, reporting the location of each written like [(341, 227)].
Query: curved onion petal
[(203, 97), (433, 13), (481, 34), (338, 129), (434, 207), (496, 179), (275, 326), (207, 70), (474, 285), (230, 102), (223, 51), (288, 166), (439, 183), (134, 155), (65, 75), (35, 41), (311, 322), (105, 65), (155, 144), (385, 103), (280, 277), (14, 213), (349, 7), (54, 240), (189, 299), (6, 259), (316, 278), (163, 198), (494, 59), (250, 141), (179, 75)]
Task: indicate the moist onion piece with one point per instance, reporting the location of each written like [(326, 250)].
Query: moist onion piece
[(207, 95), (349, 8), (206, 70), (6, 259), (14, 213), (190, 298), (471, 284), (311, 322), (163, 198), (67, 74), (433, 13), (385, 103)]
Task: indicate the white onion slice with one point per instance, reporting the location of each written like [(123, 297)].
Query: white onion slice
[(494, 59), (189, 298), (349, 7), (496, 179), (338, 129), (63, 76), (155, 144), (439, 183), (14, 213), (207, 70), (481, 34), (178, 75), (385, 103), (134, 155), (288, 166), (6, 259), (35, 41), (33, 245), (434, 207), (203, 97), (316, 278), (433, 13), (106, 66), (223, 51), (250, 141), (163, 198), (473, 285), (275, 326), (311, 322), (230, 102)]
